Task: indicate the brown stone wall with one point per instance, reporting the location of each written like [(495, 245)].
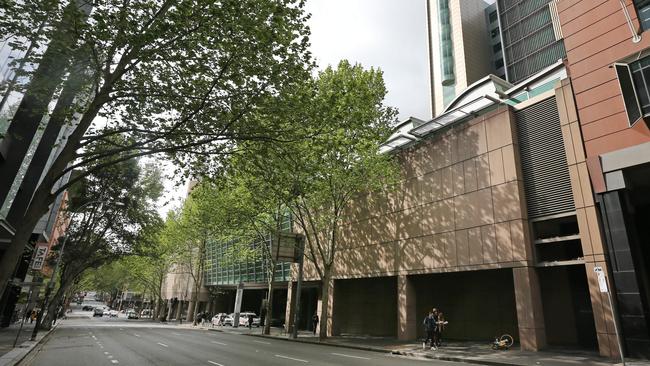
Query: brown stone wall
[(595, 36), (593, 248), (459, 207)]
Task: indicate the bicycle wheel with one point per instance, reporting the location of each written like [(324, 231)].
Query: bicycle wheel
[(507, 340)]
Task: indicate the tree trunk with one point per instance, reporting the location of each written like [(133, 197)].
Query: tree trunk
[(269, 308), (324, 314)]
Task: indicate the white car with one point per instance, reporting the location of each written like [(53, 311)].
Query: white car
[(219, 319), (243, 319), (229, 320)]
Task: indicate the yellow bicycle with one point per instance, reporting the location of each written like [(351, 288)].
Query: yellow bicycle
[(502, 343)]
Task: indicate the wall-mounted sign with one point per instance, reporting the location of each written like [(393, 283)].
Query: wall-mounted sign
[(602, 282), (39, 257)]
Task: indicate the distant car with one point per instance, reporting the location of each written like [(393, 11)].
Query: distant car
[(112, 313), (219, 318), (146, 313), (131, 314), (243, 319), (87, 308), (229, 320), (98, 312)]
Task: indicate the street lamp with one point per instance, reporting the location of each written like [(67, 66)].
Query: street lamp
[(50, 285)]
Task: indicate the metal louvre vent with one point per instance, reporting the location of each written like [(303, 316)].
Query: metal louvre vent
[(543, 160)]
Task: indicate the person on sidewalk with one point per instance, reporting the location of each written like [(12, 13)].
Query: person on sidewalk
[(314, 322), (440, 327), (250, 321), (430, 329)]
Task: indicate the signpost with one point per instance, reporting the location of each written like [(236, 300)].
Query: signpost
[(602, 284), (286, 248), (39, 257)]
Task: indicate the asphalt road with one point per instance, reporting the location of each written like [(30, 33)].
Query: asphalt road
[(102, 341)]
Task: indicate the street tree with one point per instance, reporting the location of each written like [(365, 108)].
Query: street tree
[(176, 78), (320, 179), (111, 216)]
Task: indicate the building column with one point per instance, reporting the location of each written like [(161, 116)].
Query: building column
[(331, 323), (179, 309), (238, 299), (190, 311), (170, 306), (406, 312), (288, 313), (530, 314)]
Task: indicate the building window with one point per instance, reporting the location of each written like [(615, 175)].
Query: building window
[(629, 92), (643, 10), (496, 48), (498, 63), (495, 32), (493, 16)]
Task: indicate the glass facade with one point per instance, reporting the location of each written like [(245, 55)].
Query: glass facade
[(220, 271), (446, 46), (643, 10), (530, 41)]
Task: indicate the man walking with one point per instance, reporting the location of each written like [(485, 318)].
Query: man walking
[(430, 329), (314, 320)]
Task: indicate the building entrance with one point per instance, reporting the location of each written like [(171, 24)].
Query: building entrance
[(478, 305), (568, 316)]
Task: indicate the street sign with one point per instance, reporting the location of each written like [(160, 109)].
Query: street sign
[(602, 282), (39, 257), (286, 248)]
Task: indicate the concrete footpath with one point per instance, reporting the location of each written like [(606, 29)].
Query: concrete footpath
[(9, 355), (468, 352)]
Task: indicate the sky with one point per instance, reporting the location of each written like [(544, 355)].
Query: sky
[(387, 34)]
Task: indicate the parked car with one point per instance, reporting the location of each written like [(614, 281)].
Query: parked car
[(98, 312), (146, 313), (243, 319), (229, 320), (219, 318), (131, 314), (112, 313), (87, 308)]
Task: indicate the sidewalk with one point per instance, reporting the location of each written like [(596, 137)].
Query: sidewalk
[(8, 354), (468, 352)]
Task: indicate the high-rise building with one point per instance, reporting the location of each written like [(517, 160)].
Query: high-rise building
[(458, 48), (496, 47), (531, 36)]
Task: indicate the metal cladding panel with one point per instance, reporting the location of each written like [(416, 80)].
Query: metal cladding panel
[(543, 160)]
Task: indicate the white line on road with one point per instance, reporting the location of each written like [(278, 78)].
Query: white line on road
[(262, 342), (214, 363), (343, 355), (137, 335), (291, 358), (174, 333), (219, 343), (162, 344), (106, 353), (115, 361)]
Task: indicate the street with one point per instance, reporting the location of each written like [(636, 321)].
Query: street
[(110, 341)]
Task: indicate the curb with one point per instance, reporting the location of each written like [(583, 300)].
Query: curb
[(349, 346), (20, 353), (454, 359)]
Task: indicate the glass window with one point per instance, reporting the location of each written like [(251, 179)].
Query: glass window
[(498, 63), (496, 48), (495, 32), (493, 16), (643, 10), (630, 98)]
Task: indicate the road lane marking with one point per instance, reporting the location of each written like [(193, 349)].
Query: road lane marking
[(262, 342), (106, 353), (214, 363), (162, 344), (343, 355), (219, 343), (115, 361), (137, 335), (291, 358), (174, 333)]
